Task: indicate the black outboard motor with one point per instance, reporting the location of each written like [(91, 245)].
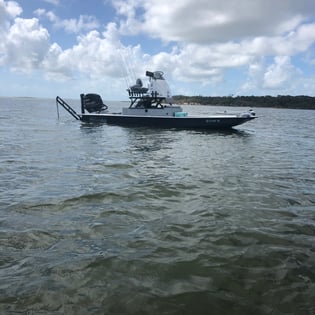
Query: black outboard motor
[(92, 103)]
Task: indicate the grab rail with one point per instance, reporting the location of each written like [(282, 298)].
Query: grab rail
[(67, 107)]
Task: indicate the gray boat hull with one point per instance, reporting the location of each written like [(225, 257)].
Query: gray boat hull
[(215, 122)]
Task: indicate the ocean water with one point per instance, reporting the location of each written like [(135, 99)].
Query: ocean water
[(99, 219)]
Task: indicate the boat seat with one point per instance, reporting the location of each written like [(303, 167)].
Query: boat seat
[(138, 89)]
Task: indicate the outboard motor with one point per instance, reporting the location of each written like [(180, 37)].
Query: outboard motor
[(92, 103)]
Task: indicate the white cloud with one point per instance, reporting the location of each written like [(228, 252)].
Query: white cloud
[(53, 2), (25, 45), (205, 39), (50, 15), (82, 24), (9, 9), (211, 36), (280, 73), (279, 77), (56, 66), (94, 56), (132, 23), (209, 21)]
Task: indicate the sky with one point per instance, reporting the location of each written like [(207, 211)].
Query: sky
[(204, 47)]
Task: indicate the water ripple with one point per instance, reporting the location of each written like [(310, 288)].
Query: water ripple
[(112, 220)]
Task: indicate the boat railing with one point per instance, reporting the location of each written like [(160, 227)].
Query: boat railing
[(67, 107), (137, 94)]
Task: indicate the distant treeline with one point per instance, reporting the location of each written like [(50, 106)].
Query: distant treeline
[(280, 101)]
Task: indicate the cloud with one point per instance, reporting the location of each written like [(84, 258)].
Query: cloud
[(26, 47), (53, 2), (195, 62), (24, 42), (204, 40), (281, 76), (56, 64), (210, 37), (82, 24), (280, 73), (9, 9), (209, 21), (96, 55)]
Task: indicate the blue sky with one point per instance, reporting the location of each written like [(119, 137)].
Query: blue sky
[(204, 47)]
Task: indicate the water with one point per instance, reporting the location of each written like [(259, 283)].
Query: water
[(98, 219)]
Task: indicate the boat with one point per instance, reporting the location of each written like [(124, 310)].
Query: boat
[(152, 106)]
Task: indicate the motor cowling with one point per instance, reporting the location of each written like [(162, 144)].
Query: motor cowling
[(92, 103)]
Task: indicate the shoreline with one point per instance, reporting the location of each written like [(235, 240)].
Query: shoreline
[(280, 101)]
